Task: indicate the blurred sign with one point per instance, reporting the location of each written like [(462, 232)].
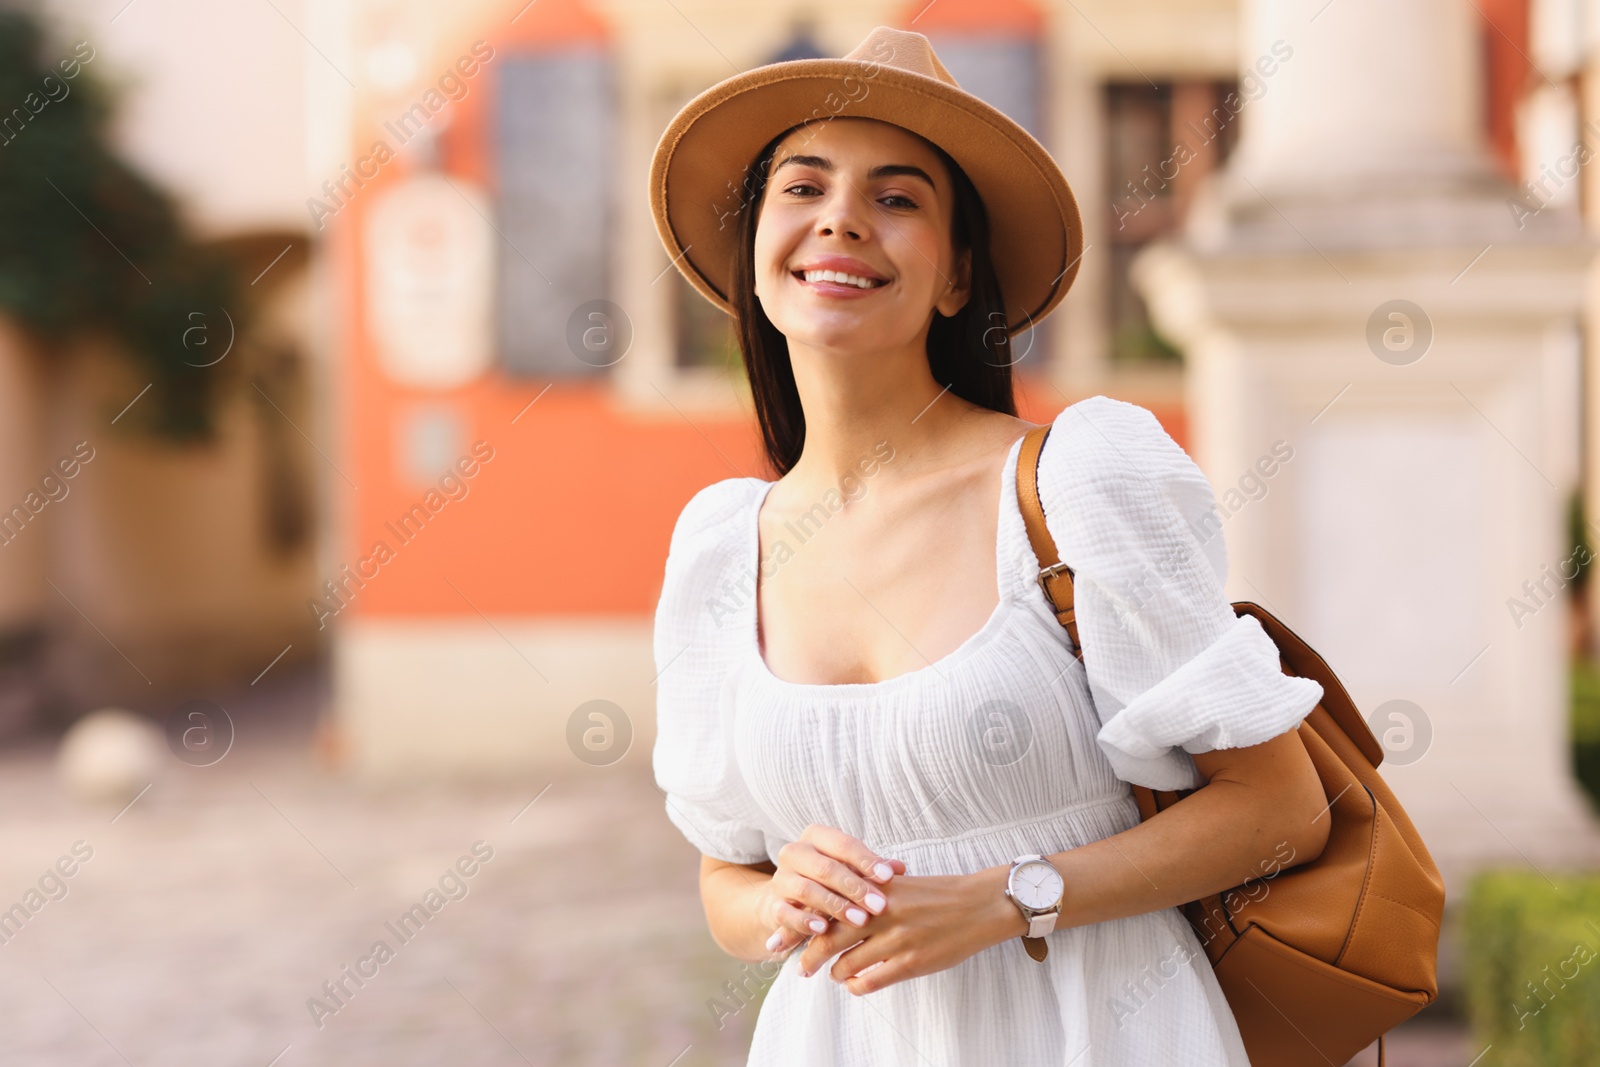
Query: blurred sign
[(430, 259)]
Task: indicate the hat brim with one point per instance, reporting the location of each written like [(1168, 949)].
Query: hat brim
[(1036, 234)]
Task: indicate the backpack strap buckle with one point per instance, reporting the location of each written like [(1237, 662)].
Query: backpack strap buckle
[(1049, 572)]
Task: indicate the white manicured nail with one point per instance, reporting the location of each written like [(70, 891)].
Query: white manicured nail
[(875, 902), (856, 915), (883, 871), (773, 941), (819, 925)]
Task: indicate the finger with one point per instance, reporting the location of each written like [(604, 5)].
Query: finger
[(858, 959), (794, 926), (836, 889), (815, 956), (871, 978), (849, 850), (808, 893)]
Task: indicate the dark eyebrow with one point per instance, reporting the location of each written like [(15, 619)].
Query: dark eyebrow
[(886, 170)]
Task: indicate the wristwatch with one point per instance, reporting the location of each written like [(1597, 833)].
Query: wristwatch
[(1036, 888)]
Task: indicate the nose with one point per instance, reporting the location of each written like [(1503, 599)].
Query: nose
[(843, 213)]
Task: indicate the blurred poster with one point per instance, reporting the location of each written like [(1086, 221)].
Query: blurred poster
[(429, 253)]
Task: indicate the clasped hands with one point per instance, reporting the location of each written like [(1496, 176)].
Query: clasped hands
[(835, 896)]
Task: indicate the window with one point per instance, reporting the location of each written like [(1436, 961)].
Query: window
[(1161, 140), (554, 131), (1005, 70)]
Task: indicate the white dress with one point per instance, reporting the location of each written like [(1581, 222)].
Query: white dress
[(995, 750)]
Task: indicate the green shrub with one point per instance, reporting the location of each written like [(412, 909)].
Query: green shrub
[(1586, 728), (1531, 968), (90, 246)]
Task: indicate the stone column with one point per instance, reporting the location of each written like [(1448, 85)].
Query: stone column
[(1382, 384)]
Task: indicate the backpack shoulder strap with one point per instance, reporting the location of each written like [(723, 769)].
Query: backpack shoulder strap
[(1055, 577)]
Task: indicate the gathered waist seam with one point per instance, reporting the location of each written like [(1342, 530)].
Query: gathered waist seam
[(1032, 820)]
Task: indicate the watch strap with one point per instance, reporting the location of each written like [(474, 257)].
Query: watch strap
[(1037, 947)]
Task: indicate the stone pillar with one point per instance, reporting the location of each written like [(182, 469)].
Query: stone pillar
[(1368, 91), (1383, 385)]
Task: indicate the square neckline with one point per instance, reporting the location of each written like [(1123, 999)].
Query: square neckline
[(933, 668)]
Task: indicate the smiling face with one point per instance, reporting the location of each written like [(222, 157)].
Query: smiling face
[(871, 206)]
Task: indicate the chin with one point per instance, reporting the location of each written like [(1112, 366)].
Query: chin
[(833, 331), (844, 337)]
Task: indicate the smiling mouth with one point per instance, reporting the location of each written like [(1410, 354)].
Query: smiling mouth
[(833, 277)]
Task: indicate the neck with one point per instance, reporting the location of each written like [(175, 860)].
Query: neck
[(860, 405)]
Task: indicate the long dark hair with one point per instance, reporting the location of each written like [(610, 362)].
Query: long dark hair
[(968, 351)]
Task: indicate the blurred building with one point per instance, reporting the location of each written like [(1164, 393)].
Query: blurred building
[(1368, 282), (159, 571)]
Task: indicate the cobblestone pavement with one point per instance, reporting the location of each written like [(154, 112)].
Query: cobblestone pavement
[(211, 910)]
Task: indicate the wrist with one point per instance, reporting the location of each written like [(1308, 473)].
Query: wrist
[(998, 916)]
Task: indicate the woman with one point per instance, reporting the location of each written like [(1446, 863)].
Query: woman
[(870, 721)]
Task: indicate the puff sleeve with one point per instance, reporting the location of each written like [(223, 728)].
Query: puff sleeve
[(695, 640), (1172, 669)]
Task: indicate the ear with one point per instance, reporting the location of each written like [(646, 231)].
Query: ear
[(960, 289)]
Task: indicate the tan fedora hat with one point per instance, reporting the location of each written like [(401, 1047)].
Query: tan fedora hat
[(1036, 235)]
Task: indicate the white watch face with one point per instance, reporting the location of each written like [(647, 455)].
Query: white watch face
[(1036, 885)]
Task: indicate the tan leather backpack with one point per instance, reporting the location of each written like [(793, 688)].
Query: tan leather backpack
[(1318, 959)]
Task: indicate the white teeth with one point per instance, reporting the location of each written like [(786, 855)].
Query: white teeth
[(837, 276)]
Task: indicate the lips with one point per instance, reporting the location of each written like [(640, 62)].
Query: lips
[(840, 264)]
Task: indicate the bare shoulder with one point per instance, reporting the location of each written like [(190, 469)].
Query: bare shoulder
[(1001, 431), (986, 440)]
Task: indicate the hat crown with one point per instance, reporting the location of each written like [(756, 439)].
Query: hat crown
[(903, 49)]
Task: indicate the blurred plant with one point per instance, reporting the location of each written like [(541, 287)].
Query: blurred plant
[(1140, 343), (1586, 728), (1578, 536), (1531, 967), (91, 247)]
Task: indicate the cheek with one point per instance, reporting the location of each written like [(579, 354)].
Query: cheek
[(775, 243), (764, 249), (925, 261)]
